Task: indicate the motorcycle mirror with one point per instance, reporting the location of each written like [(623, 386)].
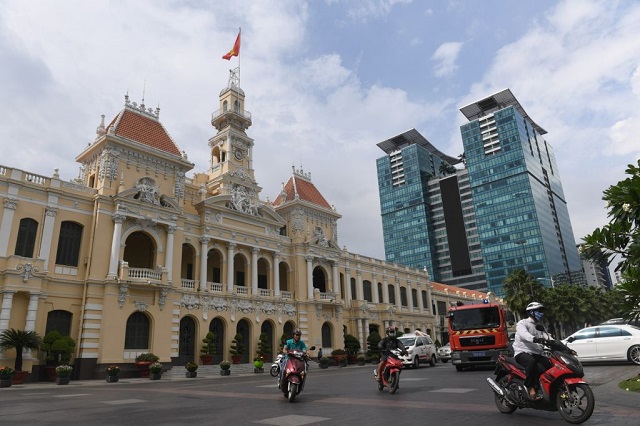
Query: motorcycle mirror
[(312, 348), (539, 327)]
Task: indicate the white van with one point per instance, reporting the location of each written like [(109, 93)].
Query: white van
[(420, 347)]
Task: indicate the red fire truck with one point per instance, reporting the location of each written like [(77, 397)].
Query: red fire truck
[(477, 334)]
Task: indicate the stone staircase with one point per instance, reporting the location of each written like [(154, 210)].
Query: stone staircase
[(213, 370)]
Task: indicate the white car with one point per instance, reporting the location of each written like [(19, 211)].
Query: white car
[(615, 342), (444, 352), (420, 347)]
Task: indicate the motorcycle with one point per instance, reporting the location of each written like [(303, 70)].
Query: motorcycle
[(563, 388), (275, 367), (391, 372), (292, 382)]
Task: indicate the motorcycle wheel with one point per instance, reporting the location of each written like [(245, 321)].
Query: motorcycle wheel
[(577, 406), (394, 381), (293, 391), (380, 385), (501, 402), (274, 371)]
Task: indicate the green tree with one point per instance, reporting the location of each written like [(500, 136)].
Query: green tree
[(209, 344), (520, 289), (19, 340), (59, 348), (620, 238), (351, 344), (372, 342)]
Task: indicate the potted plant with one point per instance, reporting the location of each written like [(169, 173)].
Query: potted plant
[(324, 362), (237, 349), (225, 368), (352, 346), (339, 356), (19, 340), (192, 368), (144, 361), (63, 373), (264, 347), (6, 373), (113, 372), (375, 358), (58, 349), (155, 371), (361, 359), (208, 349)]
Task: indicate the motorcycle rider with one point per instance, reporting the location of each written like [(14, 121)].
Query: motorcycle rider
[(385, 345), (295, 343), (527, 348)]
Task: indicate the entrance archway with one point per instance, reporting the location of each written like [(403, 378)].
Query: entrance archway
[(186, 345), (217, 328), (244, 329)]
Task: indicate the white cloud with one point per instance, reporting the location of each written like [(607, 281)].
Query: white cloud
[(445, 56)]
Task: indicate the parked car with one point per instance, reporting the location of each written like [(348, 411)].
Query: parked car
[(444, 352), (620, 321), (615, 342), (420, 347)]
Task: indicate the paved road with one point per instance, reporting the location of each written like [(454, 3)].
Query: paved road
[(336, 396)]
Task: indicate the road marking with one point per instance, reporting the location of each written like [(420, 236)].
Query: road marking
[(123, 401), (71, 395), (412, 379), (292, 420), (453, 390)]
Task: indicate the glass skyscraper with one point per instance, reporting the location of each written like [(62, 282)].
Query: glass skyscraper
[(472, 227)]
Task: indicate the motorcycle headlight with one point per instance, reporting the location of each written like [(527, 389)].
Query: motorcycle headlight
[(573, 363)]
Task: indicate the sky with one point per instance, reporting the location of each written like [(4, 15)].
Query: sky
[(325, 81)]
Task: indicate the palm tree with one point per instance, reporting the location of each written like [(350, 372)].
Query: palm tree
[(19, 340), (520, 289)]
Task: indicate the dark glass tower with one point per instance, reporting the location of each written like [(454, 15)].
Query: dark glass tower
[(520, 208)]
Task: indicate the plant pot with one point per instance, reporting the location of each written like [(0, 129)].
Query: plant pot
[(112, 379), (191, 374), (5, 383), (206, 359), (143, 366), (361, 362), (51, 372), (225, 372), (63, 380), (18, 377), (155, 376), (235, 359), (324, 365), (258, 370)]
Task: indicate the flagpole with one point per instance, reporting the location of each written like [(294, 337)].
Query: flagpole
[(239, 35)]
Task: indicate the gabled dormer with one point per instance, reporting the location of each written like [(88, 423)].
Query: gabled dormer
[(310, 218)]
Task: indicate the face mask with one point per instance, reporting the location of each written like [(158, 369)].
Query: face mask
[(538, 315)]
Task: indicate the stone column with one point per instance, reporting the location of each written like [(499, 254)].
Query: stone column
[(204, 241), (10, 205), (47, 234), (347, 285), (335, 278), (230, 254), (276, 274), (385, 289), (118, 219), (365, 335), (374, 289), (168, 257), (359, 289), (360, 331), (409, 296), (254, 270), (309, 260), (398, 298), (419, 292), (5, 311), (30, 324)]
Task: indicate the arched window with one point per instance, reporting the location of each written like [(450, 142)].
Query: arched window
[(414, 297), (69, 244), (326, 335), (353, 289), (225, 106), (392, 294), (403, 296), (59, 321), (26, 237), (137, 333), (366, 285)]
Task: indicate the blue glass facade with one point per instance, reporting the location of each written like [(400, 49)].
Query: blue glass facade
[(521, 212)]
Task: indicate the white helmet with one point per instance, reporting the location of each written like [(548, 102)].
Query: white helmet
[(534, 306)]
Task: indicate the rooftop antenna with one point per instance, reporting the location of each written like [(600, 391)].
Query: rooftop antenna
[(144, 89)]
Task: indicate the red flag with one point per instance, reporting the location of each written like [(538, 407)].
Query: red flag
[(235, 51)]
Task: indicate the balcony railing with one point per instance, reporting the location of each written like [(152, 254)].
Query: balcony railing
[(188, 284)]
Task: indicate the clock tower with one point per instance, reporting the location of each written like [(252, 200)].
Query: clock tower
[(231, 165)]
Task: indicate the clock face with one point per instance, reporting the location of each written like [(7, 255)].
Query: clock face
[(238, 154)]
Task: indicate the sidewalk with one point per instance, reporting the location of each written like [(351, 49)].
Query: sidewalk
[(610, 393)]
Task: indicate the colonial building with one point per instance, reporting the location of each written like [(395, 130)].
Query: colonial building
[(134, 256)]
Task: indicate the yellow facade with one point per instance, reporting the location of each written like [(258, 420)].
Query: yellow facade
[(134, 256)]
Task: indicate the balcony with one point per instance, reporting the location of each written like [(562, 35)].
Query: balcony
[(143, 276)]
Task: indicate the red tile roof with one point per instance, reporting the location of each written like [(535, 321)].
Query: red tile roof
[(306, 192), (144, 129)]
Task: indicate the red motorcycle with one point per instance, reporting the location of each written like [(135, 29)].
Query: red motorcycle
[(562, 386), (295, 374), (391, 373)]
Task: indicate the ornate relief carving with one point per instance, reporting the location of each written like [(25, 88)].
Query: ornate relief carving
[(28, 269), (10, 203), (178, 186), (268, 308), (50, 211), (243, 200), (242, 174), (163, 298), (109, 163), (338, 311), (297, 220), (190, 302), (289, 309), (141, 306), (147, 191), (122, 294)]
